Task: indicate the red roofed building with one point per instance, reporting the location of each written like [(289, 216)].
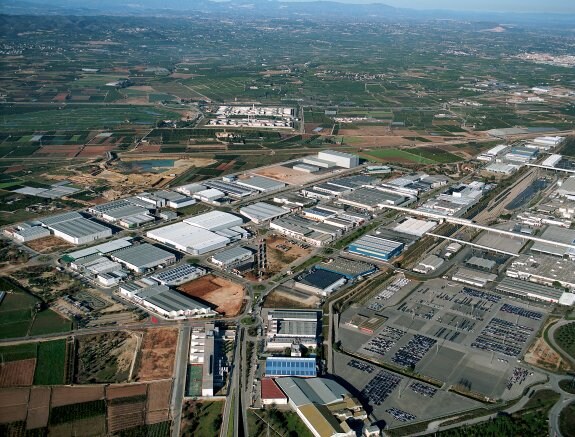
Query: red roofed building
[(271, 393)]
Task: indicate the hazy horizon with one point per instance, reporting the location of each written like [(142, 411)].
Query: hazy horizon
[(559, 6), (519, 6)]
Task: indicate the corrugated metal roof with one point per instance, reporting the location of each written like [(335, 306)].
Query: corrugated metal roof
[(215, 220), (262, 211), (53, 219), (232, 254), (143, 255), (79, 228)]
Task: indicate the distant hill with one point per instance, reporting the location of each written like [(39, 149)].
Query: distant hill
[(317, 10)]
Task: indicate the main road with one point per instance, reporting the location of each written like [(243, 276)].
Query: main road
[(180, 373)]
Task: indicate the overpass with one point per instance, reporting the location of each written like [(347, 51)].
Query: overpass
[(468, 243), (472, 224), (566, 170)]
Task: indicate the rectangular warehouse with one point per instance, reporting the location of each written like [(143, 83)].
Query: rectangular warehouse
[(290, 366), (188, 238), (320, 282), (233, 257), (29, 234), (261, 212), (80, 231), (179, 274), (261, 184), (215, 220), (376, 247), (202, 233), (341, 159), (143, 256)]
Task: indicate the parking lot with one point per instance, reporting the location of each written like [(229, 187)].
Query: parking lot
[(397, 399), (452, 333)]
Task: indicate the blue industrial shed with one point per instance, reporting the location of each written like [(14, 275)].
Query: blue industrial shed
[(290, 366)]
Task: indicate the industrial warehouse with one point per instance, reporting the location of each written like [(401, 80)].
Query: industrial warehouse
[(201, 234), (289, 328), (74, 228), (375, 247), (261, 212), (164, 301), (142, 257)]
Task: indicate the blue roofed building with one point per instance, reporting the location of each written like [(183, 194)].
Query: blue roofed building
[(290, 366), (375, 247)]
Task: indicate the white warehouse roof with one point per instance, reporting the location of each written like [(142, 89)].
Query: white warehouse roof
[(262, 211), (416, 227), (187, 237), (214, 220)]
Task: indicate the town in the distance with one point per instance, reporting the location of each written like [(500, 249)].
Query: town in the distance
[(318, 236)]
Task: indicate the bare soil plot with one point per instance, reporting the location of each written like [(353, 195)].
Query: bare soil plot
[(157, 416), (540, 354), (281, 253), (17, 373), (38, 407), (225, 295), (157, 354), (279, 299), (95, 151), (159, 395), (13, 404), (48, 244), (288, 175), (115, 391), (63, 395), (366, 131)]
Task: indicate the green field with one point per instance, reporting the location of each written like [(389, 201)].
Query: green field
[(16, 311), (19, 352), (527, 425), (437, 155), (48, 322), (286, 422), (18, 317), (383, 154), (567, 421), (51, 364), (83, 410), (82, 117), (565, 338), (202, 419)]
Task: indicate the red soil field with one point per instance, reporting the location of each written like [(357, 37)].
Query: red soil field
[(17, 373), (62, 395), (115, 391), (226, 296), (157, 354)]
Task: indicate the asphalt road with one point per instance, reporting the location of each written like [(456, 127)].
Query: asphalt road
[(180, 372)]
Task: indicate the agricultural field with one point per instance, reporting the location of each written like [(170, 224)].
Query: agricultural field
[(20, 317), (201, 419), (106, 357), (225, 296), (95, 410), (397, 155), (51, 363), (567, 421), (280, 421)]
